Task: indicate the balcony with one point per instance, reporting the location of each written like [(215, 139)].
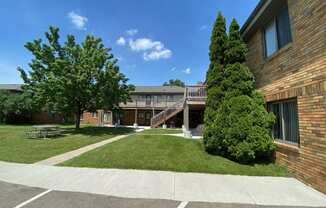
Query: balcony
[(193, 94), (196, 93), (147, 104)]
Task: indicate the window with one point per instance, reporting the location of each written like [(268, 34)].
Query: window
[(107, 116), (134, 98), (141, 115), (277, 33), (170, 98), (270, 39), (286, 126), (160, 98), (94, 114)]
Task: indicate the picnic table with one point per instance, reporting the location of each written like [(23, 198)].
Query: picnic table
[(44, 131)]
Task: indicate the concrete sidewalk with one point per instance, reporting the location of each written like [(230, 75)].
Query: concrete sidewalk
[(185, 187), (69, 155)]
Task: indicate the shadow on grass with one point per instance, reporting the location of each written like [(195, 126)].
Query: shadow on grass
[(99, 131), (265, 159)]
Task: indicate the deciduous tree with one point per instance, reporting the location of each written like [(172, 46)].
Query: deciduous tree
[(174, 82), (74, 77)]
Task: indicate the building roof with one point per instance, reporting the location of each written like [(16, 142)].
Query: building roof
[(13, 87), (264, 12), (138, 89), (158, 89)]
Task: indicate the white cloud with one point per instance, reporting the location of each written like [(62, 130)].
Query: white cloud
[(153, 50), (143, 44), (187, 71), (173, 68), (132, 32), (157, 54), (121, 41), (77, 20)]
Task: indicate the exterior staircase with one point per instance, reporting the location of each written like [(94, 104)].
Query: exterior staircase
[(194, 94), (168, 113)]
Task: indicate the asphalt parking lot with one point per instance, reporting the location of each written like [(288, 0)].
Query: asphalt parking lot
[(17, 196)]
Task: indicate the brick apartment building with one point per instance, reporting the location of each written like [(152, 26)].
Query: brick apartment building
[(155, 106), (287, 54)]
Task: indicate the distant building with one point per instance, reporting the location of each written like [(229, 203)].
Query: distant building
[(155, 106)]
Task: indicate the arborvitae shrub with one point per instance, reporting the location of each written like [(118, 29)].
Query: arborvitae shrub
[(242, 129), (237, 124)]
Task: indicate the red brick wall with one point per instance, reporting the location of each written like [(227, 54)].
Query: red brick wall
[(88, 119), (299, 71)]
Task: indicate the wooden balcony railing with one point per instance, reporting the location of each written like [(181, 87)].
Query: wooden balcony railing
[(144, 104), (195, 92), (192, 93)]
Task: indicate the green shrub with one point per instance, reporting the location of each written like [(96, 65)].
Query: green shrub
[(237, 125), (241, 130)]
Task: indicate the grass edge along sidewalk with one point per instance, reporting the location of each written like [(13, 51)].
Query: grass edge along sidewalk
[(15, 147), (167, 153)]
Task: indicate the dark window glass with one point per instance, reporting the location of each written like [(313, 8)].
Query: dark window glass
[(277, 128), (270, 39), (290, 121), (277, 33), (286, 126), (283, 28), (141, 115)]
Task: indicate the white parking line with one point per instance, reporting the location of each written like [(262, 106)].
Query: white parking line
[(183, 204), (32, 199)]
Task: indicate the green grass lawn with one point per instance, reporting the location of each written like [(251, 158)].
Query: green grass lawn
[(15, 147), (161, 131), (159, 152)]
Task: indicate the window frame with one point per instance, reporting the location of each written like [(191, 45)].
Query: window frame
[(94, 114), (275, 21), (141, 115), (282, 121)]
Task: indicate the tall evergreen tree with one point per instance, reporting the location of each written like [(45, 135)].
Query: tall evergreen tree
[(216, 50), (241, 126), (214, 75), (235, 48)]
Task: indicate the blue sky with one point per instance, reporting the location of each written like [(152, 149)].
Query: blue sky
[(154, 40)]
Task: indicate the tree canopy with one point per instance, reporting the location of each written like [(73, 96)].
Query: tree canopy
[(13, 104), (174, 82), (74, 77), (237, 125)]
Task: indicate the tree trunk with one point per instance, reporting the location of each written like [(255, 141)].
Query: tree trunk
[(77, 121)]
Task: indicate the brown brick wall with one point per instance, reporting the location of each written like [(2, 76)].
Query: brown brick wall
[(88, 119), (299, 71)]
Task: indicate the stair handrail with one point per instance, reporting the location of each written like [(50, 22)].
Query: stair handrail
[(166, 112)]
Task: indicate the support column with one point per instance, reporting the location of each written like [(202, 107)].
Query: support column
[(136, 115), (100, 114), (152, 116), (186, 129)]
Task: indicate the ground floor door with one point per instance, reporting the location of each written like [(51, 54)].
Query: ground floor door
[(107, 117), (148, 116)]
